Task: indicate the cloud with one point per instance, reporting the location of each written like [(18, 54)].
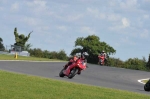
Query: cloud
[(147, 1), (144, 34), (39, 3), (31, 21), (60, 12), (110, 16), (37, 6), (95, 12), (1, 8), (112, 3), (122, 24), (63, 28), (15, 7), (50, 41), (114, 17), (146, 16), (87, 30), (74, 17), (3, 1), (125, 22), (126, 40), (128, 4)]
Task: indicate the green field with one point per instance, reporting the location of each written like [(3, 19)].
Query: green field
[(20, 86), (11, 57)]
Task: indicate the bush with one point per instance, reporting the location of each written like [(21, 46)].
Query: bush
[(37, 52), (53, 55), (62, 55), (135, 63), (115, 62), (46, 54)]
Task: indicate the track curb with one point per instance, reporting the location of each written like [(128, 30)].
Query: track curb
[(141, 80)]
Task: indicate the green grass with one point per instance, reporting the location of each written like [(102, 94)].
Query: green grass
[(145, 81), (20, 86), (11, 57)]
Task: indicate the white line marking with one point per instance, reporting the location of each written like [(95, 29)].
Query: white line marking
[(141, 80)]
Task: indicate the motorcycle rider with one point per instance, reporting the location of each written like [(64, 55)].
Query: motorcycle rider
[(73, 65), (72, 60), (103, 54), (84, 62)]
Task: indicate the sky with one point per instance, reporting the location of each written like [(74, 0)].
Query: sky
[(56, 24)]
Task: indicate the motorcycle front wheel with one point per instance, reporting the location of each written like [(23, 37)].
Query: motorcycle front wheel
[(101, 64), (147, 86), (73, 72)]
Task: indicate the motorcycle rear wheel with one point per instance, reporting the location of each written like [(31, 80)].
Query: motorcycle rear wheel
[(61, 74)]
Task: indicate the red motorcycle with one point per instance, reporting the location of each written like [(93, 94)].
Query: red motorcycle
[(79, 65), (101, 60)]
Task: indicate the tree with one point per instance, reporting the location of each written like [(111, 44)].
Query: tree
[(92, 46), (21, 39), (27, 46), (1, 44), (46, 54), (148, 63), (62, 55)]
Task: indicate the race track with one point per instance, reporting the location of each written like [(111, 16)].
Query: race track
[(104, 76)]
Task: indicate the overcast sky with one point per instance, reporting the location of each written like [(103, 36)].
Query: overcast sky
[(56, 24)]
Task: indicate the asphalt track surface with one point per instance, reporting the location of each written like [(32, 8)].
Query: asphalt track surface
[(102, 76)]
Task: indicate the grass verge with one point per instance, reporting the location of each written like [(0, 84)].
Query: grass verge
[(145, 81), (11, 57), (20, 86)]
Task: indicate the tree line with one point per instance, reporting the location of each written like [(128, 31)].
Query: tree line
[(37, 52), (131, 63), (90, 44)]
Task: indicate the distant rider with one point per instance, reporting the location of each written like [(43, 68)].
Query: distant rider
[(104, 55)]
